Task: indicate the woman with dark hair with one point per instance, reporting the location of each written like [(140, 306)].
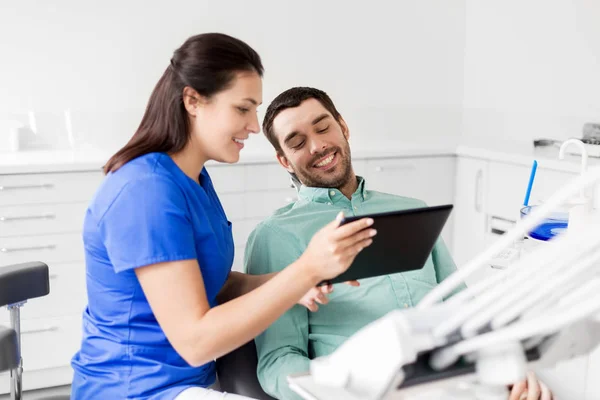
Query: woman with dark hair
[(162, 300)]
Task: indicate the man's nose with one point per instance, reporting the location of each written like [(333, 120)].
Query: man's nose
[(317, 145)]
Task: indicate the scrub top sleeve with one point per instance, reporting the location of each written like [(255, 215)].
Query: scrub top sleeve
[(147, 223)]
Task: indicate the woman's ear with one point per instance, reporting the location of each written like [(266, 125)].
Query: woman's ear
[(344, 126), (192, 100)]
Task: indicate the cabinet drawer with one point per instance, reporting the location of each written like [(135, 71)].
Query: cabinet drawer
[(233, 204), (266, 177), (430, 179), (57, 248), (227, 178), (39, 219), (67, 295), (243, 229), (241, 206), (238, 260), (22, 189), (263, 204), (49, 342)]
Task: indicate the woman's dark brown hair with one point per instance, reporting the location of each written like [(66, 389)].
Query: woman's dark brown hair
[(208, 64)]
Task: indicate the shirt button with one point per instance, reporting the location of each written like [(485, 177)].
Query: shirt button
[(328, 203), (356, 208), (405, 305), (332, 193)]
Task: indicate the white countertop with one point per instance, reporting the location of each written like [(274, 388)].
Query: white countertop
[(39, 161), (522, 154)]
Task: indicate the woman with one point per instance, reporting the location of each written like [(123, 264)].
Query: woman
[(162, 302)]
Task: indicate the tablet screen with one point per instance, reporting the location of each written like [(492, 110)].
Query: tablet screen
[(403, 242)]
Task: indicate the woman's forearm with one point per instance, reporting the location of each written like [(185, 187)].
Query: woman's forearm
[(232, 324), (238, 284)]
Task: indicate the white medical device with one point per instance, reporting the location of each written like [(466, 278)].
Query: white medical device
[(544, 308)]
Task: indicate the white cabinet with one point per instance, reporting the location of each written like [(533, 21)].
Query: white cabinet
[(430, 179), (470, 214), (489, 196), (41, 218)]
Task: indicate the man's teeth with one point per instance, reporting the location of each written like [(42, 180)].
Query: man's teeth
[(326, 161), (240, 141)]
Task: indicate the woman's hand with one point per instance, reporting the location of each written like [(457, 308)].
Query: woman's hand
[(333, 248)]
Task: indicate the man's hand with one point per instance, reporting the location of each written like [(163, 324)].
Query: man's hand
[(319, 295), (530, 389)]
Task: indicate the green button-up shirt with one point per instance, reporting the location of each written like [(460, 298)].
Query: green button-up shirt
[(299, 335)]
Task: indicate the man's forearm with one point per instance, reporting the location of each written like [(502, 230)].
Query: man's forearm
[(239, 284)]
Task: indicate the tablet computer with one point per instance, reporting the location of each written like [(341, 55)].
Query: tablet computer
[(403, 242)]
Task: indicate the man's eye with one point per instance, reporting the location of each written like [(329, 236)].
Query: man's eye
[(323, 130), (296, 146)]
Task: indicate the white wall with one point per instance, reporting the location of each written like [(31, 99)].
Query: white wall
[(395, 69), (532, 68)]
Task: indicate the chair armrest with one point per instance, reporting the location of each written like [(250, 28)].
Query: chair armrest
[(9, 352), (20, 282)]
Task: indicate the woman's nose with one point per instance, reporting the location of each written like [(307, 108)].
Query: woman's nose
[(254, 126)]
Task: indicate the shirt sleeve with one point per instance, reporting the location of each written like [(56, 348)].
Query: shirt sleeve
[(282, 349), (148, 222), (444, 264)]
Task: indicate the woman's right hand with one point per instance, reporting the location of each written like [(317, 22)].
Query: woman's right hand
[(333, 248)]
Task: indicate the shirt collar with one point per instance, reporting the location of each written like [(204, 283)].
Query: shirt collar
[(331, 195)]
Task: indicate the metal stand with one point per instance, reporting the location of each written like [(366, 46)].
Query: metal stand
[(16, 374)]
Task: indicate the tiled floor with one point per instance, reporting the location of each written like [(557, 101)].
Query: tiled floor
[(42, 394)]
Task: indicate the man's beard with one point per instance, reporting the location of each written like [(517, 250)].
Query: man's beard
[(311, 177)]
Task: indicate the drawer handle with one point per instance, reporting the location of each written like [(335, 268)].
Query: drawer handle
[(404, 167), (17, 187), (14, 249), (27, 217), (48, 328)]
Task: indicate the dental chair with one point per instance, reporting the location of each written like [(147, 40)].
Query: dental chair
[(19, 283), (237, 373)]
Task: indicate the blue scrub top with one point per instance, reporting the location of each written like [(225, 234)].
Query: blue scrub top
[(147, 212)]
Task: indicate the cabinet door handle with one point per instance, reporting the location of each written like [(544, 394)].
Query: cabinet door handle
[(27, 217), (35, 186), (478, 179), (403, 167), (499, 226), (14, 249), (48, 328)]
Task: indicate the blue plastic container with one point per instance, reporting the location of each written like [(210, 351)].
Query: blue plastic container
[(552, 226)]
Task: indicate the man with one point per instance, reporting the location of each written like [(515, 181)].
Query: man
[(311, 141)]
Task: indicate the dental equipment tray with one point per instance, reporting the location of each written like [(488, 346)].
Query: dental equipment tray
[(403, 242), (418, 374)]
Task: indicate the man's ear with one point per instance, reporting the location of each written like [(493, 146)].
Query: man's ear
[(344, 126), (192, 100), (284, 162)]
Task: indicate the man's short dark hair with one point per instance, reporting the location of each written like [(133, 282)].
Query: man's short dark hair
[(293, 98)]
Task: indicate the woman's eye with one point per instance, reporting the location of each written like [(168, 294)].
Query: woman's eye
[(243, 110)]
